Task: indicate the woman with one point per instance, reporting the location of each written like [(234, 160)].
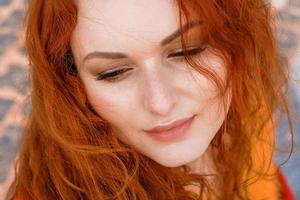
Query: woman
[(151, 99)]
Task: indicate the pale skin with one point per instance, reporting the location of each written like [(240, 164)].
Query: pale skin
[(157, 86)]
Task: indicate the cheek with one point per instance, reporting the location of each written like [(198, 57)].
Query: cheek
[(204, 83), (114, 107)]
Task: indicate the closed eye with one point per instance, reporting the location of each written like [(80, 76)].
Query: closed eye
[(112, 75), (117, 74), (191, 52)]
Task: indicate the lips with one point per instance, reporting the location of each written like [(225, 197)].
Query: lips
[(164, 128), (171, 132)]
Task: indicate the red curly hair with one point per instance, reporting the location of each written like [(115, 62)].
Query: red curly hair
[(63, 156)]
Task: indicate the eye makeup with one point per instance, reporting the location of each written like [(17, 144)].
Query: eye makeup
[(114, 74), (191, 52), (119, 72)]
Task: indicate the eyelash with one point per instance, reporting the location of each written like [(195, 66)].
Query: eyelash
[(115, 75), (191, 52), (111, 76)]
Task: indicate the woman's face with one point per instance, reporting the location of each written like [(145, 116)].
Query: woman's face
[(129, 59)]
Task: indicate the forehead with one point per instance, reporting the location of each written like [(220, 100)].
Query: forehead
[(114, 24)]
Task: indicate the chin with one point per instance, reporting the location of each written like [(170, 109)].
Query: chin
[(179, 158)]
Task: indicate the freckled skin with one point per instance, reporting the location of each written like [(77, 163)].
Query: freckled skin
[(158, 89)]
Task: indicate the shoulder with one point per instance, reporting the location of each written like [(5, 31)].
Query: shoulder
[(262, 179), (268, 181), (265, 185)]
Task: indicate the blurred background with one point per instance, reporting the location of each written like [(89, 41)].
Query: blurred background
[(14, 86)]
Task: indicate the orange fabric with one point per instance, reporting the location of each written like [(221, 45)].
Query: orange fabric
[(272, 188), (272, 185)]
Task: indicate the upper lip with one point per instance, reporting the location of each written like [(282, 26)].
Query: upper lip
[(174, 124)]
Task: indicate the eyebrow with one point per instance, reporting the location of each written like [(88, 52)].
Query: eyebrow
[(119, 55)]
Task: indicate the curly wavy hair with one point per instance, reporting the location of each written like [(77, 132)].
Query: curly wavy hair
[(70, 152)]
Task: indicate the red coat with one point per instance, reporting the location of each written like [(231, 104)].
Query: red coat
[(286, 190)]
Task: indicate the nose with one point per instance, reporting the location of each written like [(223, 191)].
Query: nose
[(159, 96)]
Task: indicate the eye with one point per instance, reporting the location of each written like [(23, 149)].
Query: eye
[(192, 52), (112, 75)]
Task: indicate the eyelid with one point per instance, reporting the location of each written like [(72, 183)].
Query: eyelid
[(198, 48), (117, 68), (122, 66), (187, 48)]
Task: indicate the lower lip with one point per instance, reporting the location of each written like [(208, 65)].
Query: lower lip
[(173, 133)]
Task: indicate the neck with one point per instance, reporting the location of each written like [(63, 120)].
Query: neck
[(204, 165)]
